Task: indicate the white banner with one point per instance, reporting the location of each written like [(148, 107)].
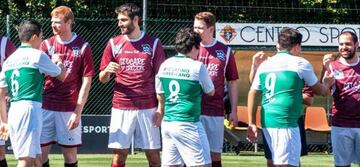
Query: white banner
[(266, 34)]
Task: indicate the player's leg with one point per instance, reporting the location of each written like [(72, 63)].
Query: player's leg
[(301, 123), (122, 127), (356, 132), (170, 154), (25, 123), (147, 136), (343, 146), (267, 152), (192, 143), (214, 128), (3, 162), (69, 140), (26, 162), (48, 135), (285, 145)]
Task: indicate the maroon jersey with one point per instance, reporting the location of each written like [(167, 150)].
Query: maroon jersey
[(221, 65), (77, 58), (346, 107), (307, 91), (6, 49), (139, 62)]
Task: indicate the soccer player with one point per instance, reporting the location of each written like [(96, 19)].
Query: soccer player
[(6, 49), (220, 63), (308, 100), (280, 80), (179, 85), (134, 58), (345, 113), (64, 101), (23, 77)]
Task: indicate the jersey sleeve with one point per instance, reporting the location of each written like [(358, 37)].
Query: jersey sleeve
[(3, 83), (306, 72), (205, 80), (107, 57), (158, 85), (231, 72), (159, 57), (10, 48), (46, 66), (87, 63)]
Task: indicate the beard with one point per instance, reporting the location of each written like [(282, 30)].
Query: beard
[(128, 29), (349, 56)]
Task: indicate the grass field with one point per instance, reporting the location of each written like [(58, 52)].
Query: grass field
[(245, 159)]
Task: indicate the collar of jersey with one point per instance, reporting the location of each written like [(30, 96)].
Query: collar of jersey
[(284, 52), (182, 56), (24, 46)]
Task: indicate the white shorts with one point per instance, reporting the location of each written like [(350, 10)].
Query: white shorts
[(124, 123), (285, 145), (55, 130), (25, 122), (184, 142), (214, 128), (346, 145)]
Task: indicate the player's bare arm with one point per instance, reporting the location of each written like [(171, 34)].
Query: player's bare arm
[(3, 114), (324, 89), (233, 89), (75, 118), (104, 76), (252, 109), (160, 110)]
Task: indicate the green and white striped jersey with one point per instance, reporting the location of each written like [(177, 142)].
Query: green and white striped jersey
[(23, 73), (182, 80), (281, 79)]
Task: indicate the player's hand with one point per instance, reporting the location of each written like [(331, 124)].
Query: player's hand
[(327, 59), (157, 118), (74, 121), (328, 79), (4, 131), (233, 118), (252, 133), (7, 99), (57, 57), (112, 67), (258, 58)]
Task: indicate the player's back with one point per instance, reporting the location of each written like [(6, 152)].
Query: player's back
[(281, 86), (23, 77), (179, 77)]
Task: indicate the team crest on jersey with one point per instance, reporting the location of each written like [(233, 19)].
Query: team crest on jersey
[(117, 49), (220, 55), (51, 50), (146, 48), (228, 33), (338, 74), (76, 51)]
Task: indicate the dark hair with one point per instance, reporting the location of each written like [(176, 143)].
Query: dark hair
[(27, 29), (353, 35), (186, 39), (288, 38), (130, 10)]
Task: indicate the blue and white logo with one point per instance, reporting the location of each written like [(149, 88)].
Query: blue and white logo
[(146, 48), (220, 55), (76, 51)]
